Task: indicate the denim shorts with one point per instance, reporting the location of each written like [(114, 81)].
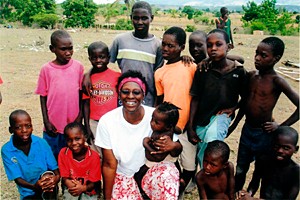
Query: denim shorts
[(253, 143), (56, 143)]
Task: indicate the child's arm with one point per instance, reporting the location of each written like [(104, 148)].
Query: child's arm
[(109, 168), (86, 118), (231, 38), (219, 24), (43, 184), (200, 185), (236, 121), (86, 83), (146, 145), (240, 59), (50, 128), (187, 60), (256, 177), (80, 115), (293, 97), (192, 136), (159, 100), (231, 180)]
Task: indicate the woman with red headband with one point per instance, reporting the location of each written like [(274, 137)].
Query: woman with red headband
[(120, 135)]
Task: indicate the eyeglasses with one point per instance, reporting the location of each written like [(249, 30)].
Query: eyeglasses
[(134, 92)]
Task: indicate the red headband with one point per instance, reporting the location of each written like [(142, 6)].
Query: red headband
[(136, 80)]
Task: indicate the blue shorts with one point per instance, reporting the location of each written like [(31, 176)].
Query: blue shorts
[(217, 129), (56, 143), (253, 143)]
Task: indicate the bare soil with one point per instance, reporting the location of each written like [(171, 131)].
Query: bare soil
[(24, 51)]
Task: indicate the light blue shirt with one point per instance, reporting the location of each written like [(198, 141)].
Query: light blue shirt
[(17, 165)]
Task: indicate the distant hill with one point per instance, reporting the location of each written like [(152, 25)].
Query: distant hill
[(294, 6)]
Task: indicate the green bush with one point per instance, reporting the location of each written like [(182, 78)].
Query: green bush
[(45, 20), (123, 24), (258, 25), (190, 28)]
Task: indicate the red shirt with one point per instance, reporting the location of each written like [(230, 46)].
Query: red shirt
[(87, 169), (104, 96)]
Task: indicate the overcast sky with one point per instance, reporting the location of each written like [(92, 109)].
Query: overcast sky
[(204, 2)]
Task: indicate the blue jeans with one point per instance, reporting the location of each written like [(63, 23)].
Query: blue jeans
[(56, 143), (253, 143), (217, 129)]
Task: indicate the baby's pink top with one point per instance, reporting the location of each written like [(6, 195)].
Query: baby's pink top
[(61, 85)]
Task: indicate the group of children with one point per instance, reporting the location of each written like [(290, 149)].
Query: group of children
[(198, 105)]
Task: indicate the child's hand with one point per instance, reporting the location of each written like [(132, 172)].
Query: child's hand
[(87, 86), (228, 111), (90, 135), (193, 137), (270, 126), (48, 183), (50, 129), (77, 189), (243, 195), (187, 60), (204, 65)]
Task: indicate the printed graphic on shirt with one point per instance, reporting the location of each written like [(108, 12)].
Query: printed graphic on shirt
[(102, 92)]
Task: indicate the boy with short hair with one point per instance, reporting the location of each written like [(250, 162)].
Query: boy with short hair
[(224, 23), (139, 50), (262, 93), (278, 173), (103, 96), (26, 158), (59, 86), (173, 82), (216, 179), (79, 165)]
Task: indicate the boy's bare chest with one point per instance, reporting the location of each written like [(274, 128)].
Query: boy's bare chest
[(262, 86), (217, 184)]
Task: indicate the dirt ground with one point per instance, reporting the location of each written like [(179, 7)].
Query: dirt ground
[(24, 51)]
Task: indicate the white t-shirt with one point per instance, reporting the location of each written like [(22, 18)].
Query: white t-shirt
[(125, 139)]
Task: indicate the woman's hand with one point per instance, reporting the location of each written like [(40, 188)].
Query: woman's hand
[(164, 144)]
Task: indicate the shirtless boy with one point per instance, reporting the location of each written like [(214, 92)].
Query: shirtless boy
[(262, 93), (216, 178)]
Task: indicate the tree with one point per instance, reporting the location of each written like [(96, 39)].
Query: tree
[(266, 17), (189, 11), (251, 11), (24, 10), (46, 20), (79, 13)]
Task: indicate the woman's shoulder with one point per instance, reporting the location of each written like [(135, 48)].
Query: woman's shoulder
[(112, 114), (148, 109)]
